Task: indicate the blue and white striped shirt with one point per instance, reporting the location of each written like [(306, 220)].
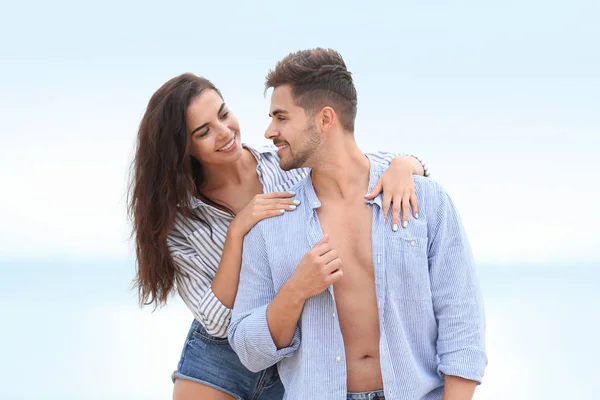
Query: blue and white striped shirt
[(431, 317), (196, 247)]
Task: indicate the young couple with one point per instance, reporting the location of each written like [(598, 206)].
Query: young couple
[(301, 286)]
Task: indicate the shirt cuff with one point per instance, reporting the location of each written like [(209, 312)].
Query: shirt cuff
[(214, 315), (257, 322), (254, 344), (468, 364)]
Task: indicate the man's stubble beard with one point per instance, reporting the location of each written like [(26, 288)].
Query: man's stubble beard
[(299, 158)]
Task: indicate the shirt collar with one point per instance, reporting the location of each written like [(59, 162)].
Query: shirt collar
[(375, 172)]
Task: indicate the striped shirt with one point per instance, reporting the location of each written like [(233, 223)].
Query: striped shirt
[(431, 317), (197, 253)]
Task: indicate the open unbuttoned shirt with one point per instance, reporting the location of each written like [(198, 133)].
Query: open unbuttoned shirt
[(431, 317)]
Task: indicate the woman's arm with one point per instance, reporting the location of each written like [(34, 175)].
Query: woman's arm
[(225, 282), (193, 281), (210, 295)]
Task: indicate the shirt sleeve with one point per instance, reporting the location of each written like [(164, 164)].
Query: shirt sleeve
[(383, 157), (249, 333), (457, 299), (194, 281)]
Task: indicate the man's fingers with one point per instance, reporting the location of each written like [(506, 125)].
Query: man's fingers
[(334, 277), (322, 245), (334, 265), (329, 256)]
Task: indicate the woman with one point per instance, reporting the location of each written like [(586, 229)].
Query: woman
[(195, 192)]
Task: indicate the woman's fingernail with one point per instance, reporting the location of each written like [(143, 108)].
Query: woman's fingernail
[(404, 224), (417, 215), (282, 211), (367, 194), (395, 227), (296, 202), (292, 207), (292, 192)]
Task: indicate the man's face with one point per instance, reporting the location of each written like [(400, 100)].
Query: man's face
[(291, 130)]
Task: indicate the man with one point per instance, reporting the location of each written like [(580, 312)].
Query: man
[(348, 307)]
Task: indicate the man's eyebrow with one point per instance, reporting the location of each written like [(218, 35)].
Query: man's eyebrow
[(204, 125), (278, 111)]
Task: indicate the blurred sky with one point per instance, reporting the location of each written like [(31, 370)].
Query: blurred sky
[(502, 98)]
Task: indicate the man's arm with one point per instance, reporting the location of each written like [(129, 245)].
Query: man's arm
[(318, 269), (249, 333), (457, 300), (264, 326)]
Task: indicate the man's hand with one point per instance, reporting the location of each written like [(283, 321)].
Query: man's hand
[(318, 269)]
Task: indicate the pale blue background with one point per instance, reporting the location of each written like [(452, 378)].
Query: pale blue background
[(502, 99)]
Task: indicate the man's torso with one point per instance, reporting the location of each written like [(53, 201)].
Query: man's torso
[(348, 223)]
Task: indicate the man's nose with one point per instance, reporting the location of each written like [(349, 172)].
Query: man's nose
[(271, 132)]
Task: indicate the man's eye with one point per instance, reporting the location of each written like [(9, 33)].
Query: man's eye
[(225, 114)]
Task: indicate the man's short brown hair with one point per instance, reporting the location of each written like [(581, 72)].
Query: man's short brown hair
[(318, 78)]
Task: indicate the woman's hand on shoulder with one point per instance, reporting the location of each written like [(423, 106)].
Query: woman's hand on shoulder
[(260, 207)]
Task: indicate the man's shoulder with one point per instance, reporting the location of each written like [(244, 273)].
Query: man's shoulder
[(299, 189), (431, 195), (428, 186)]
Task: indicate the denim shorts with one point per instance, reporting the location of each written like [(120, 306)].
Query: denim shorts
[(376, 395), (211, 361)]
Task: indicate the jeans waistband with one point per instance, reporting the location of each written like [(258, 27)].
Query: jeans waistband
[(375, 395)]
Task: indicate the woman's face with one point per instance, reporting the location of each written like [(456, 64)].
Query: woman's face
[(213, 130)]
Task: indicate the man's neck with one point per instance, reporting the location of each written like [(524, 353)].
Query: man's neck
[(340, 169)]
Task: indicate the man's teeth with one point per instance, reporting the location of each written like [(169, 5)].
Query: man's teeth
[(227, 146)]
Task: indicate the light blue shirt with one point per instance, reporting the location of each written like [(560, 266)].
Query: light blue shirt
[(431, 317)]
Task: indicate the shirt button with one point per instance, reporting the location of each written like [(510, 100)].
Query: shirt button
[(412, 243), (333, 315), (316, 204), (338, 358)]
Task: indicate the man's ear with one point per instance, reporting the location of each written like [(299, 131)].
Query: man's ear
[(326, 119)]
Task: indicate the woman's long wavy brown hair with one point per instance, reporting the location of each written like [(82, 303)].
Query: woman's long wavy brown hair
[(164, 177)]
